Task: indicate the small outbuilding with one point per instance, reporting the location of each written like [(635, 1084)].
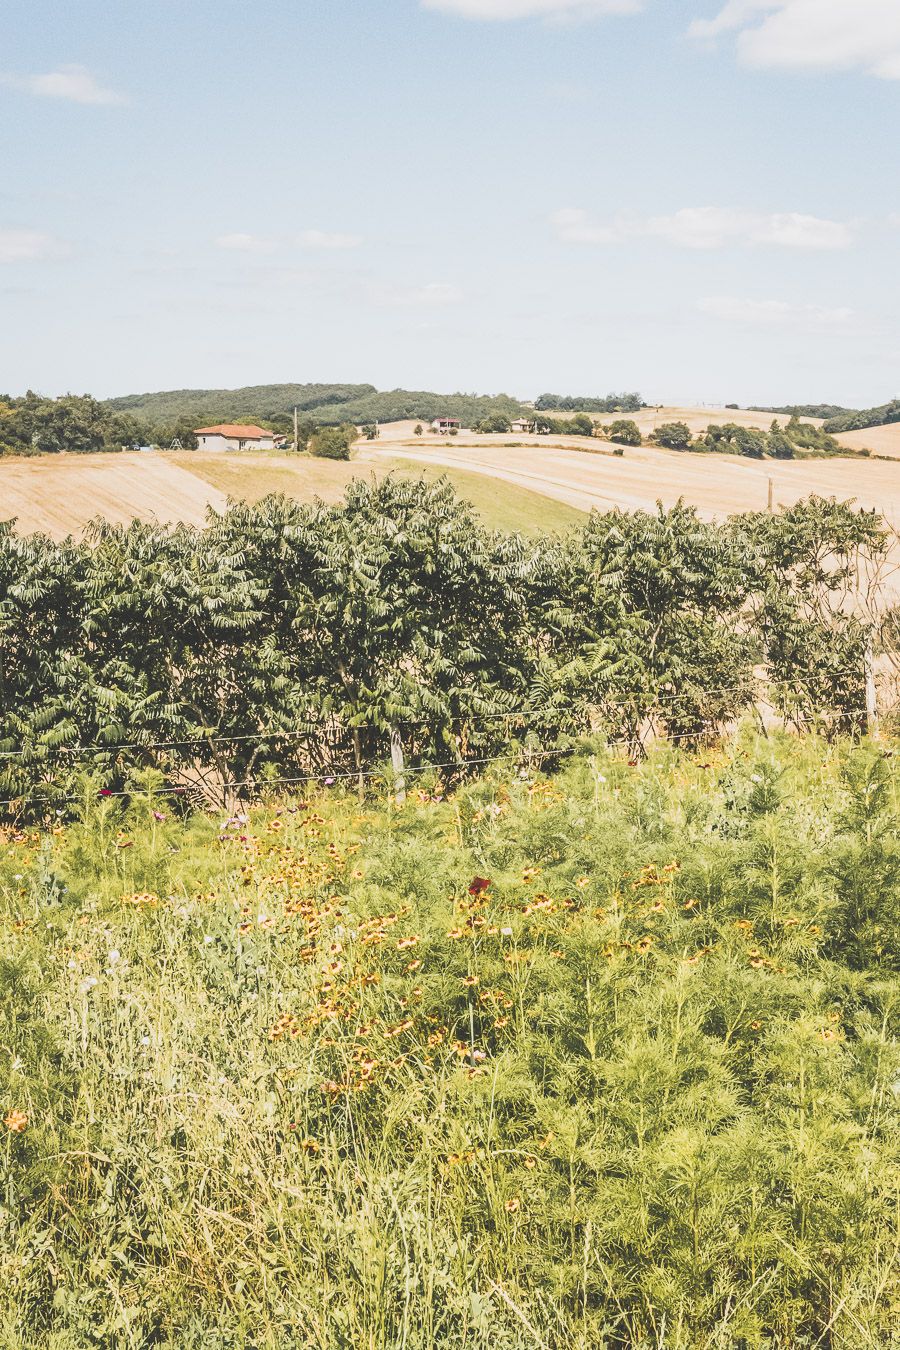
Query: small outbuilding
[(522, 424), (229, 436), (446, 426)]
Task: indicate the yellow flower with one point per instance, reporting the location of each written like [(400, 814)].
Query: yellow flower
[(513, 1205), (16, 1121)]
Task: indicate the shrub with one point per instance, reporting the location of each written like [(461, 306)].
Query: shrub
[(333, 442)]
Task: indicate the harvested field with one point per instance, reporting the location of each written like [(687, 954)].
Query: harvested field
[(718, 485), (698, 419), (59, 494), (880, 440)]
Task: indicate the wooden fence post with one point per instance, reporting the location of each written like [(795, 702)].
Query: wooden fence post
[(871, 693), (398, 766)]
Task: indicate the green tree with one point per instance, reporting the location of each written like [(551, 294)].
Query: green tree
[(674, 436), (581, 425), (625, 433), (779, 442)]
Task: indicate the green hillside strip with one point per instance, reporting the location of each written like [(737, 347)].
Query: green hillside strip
[(501, 506)]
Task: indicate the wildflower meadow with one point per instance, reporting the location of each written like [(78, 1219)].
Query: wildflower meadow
[(604, 1059)]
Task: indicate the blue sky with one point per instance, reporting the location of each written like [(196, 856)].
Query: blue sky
[(692, 198)]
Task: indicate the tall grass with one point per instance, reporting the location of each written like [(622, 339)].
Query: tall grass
[(607, 1060)]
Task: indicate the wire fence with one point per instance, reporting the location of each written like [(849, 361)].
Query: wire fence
[(327, 754)]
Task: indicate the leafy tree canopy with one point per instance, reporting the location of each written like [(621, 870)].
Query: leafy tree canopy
[(591, 403), (625, 433), (674, 436)]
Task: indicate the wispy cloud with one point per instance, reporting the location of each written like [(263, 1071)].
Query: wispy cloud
[(260, 243), (494, 10), (74, 83), (329, 240), (774, 313), (433, 294), (812, 34), (30, 246), (707, 227), (246, 243)]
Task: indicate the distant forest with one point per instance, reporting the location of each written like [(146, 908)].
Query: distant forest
[(613, 403), (869, 417), (828, 411), (322, 404), (842, 419)]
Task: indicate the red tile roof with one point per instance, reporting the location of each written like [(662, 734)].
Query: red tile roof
[(235, 432)]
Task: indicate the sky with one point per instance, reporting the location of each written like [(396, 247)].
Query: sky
[(693, 199)]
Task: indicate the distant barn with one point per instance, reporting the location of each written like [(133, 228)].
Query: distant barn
[(230, 437)]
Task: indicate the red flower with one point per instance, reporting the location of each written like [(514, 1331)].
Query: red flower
[(479, 885), (105, 792)]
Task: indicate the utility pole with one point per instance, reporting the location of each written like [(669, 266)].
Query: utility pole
[(771, 495), (296, 432)]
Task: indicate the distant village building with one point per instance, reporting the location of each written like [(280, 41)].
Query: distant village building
[(522, 424), (445, 426), (231, 437)]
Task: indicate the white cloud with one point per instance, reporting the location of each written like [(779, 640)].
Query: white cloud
[(29, 246), (812, 34), (534, 9), (574, 226), (774, 313), (74, 83), (324, 239), (707, 227), (245, 243)]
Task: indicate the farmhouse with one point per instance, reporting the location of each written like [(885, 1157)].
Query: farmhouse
[(230, 437), (446, 426), (521, 424)]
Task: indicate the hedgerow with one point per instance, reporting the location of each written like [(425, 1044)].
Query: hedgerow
[(284, 640)]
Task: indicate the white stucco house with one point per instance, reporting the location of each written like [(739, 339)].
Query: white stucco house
[(227, 436)]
